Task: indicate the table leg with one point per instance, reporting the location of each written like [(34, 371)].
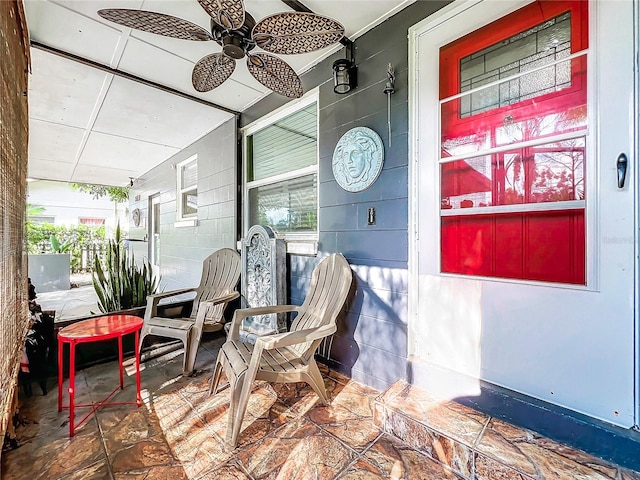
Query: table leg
[(72, 387), (120, 361), (136, 354), (60, 368)]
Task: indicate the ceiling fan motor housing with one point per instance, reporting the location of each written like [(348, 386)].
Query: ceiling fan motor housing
[(232, 45)]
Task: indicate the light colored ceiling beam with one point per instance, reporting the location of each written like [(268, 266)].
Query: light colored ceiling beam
[(128, 76)]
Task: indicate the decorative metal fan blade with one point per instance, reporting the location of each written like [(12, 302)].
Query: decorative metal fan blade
[(228, 14), (211, 71), (275, 74), (154, 22), (296, 32)]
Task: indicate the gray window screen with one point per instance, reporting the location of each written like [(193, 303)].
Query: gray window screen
[(285, 146)]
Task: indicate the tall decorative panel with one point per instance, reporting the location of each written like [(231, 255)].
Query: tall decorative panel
[(264, 280)]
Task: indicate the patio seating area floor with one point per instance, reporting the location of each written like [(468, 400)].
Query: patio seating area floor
[(179, 430)]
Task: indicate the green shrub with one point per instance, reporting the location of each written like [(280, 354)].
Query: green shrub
[(48, 238), (57, 247), (119, 283)]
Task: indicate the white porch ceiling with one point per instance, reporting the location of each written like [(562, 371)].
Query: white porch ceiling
[(90, 126)]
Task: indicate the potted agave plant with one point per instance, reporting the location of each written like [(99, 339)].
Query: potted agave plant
[(119, 283)]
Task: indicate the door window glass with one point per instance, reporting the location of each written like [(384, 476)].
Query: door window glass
[(513, 137)]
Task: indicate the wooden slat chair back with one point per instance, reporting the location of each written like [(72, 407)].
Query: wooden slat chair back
[(220, 275), (284, 357)]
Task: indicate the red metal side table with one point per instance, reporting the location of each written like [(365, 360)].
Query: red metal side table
[(94, 330)]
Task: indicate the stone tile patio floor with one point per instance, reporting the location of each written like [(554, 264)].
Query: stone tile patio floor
[(287, 434), (68, 304)]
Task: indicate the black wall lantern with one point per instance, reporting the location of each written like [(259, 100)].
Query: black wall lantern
[(345, 72)]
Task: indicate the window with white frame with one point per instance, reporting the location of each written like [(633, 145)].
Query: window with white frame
[(281, 188), (187, 194)]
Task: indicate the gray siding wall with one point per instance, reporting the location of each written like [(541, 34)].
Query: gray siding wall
[(371, 342), (182, 249)]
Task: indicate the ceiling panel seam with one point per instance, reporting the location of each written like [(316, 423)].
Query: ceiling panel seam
[(118, 52), (128, 76), (106, 84)]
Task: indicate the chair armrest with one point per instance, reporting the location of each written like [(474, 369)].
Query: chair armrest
[(269, 342), (172, 293), (227, 297), (205, 304), (153, 300), (242, 313)]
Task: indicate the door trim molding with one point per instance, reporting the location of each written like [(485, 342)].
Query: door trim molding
[(635, 155)]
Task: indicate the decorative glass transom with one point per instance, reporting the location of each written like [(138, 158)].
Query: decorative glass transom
[(540, 45)]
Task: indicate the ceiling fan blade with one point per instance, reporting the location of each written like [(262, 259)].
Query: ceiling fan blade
[(211, 71), (226, 13), (275, 74), (296, 32), (157, 23)]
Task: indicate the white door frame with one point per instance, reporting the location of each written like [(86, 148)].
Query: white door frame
[(635, 155), (432, 22)]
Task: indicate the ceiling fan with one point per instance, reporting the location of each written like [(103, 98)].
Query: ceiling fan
[(238, 34)]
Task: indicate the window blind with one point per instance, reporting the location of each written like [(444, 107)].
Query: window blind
[(285, 146)]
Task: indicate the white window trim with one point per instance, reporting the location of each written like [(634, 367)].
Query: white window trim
[(301, 172), (192, 222), (297, 243), (184, 220)]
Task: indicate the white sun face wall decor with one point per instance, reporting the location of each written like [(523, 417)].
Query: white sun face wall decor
[(357, 159)]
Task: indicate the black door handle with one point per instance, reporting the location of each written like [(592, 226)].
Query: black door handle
[(621, 166)]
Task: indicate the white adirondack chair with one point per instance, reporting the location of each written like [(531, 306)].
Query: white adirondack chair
[(220, 274), (283, 357)]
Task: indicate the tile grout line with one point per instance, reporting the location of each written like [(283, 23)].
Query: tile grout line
[(474, 447), (104, 445), (359, 456)]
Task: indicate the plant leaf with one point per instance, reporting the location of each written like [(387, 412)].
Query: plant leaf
[(119, 283)]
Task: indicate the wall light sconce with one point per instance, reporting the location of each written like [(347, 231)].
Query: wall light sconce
[(131, 179), (345, 72)]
